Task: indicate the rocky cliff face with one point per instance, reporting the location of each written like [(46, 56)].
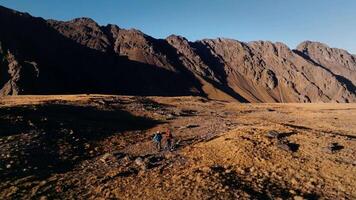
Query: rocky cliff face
[(53, 57), (338, 61), (16, 75)]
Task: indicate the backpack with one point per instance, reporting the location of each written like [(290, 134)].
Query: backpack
[(157, 137), (169, 135)]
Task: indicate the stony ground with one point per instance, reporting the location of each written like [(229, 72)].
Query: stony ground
[(99, 147)]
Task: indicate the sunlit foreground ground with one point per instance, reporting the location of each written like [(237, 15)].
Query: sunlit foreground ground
[(94, 146)]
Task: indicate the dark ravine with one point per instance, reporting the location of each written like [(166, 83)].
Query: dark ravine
[(40, 56)]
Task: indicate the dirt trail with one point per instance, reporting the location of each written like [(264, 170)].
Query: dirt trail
[(99, 147)]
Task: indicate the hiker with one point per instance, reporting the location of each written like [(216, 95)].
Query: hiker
[(157, 138), (169, 140)]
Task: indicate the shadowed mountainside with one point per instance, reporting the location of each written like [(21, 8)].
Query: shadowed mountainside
[(79, 56), (40, 60)]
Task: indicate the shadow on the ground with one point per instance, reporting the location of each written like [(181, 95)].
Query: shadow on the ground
[(269, 190), (49, 138)]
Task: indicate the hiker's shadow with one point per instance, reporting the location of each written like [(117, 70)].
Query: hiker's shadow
[(49, 138)]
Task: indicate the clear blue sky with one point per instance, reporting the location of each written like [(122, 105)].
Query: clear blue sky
[(289, 21)]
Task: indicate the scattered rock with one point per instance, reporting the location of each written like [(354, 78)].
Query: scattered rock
[(170, 117), (272, 134), (143, 164), (288, 146), (298, 198), (105, 157), (294, 181), (292, 192), (139, 161), (189, 126), (334, 147), (187, 112)]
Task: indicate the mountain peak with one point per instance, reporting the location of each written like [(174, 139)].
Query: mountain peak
[(308, 43), (83, 20), (176, 37)]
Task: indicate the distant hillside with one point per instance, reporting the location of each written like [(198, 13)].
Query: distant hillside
[(40, 56)]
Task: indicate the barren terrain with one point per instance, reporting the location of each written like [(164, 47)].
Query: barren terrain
[(99, 147)]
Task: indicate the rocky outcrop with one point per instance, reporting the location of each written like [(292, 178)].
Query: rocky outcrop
[(337, 61), (16, 75), (84, 31), (80, 56)]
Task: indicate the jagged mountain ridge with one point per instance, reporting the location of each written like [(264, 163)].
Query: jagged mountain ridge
[(79, 56)]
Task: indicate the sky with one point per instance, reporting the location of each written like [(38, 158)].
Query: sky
[(289, 21)]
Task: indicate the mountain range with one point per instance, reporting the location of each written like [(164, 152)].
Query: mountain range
[(39, 56)]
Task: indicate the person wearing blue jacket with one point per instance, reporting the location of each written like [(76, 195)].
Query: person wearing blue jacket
[(157, 140)]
